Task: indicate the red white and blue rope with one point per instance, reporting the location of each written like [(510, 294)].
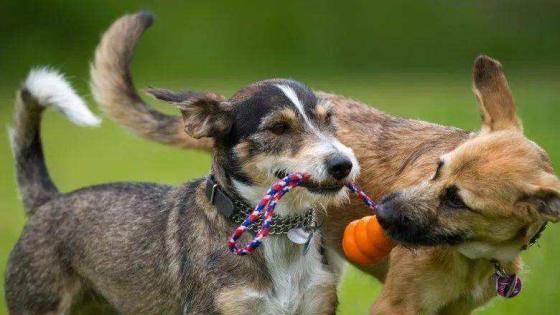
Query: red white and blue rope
[(269, 202), (362, 195)]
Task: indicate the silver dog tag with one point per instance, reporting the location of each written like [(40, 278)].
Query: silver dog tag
[(298, 236)]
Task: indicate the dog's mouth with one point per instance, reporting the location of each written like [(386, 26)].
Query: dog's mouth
[(412, 235), (316, 187)]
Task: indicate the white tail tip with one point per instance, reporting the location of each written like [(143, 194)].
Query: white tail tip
[(49, 87)]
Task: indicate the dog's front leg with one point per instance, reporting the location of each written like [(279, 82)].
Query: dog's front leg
[(413, 285), (386, 306)]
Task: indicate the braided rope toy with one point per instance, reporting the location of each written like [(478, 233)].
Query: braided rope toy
[(268, 205), (362, 195)]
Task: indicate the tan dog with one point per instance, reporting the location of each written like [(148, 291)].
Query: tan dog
[(477, 199)]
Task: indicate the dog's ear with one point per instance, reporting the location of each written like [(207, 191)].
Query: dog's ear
[(494, 96), (546, 197), (204, 114), (548, 204)]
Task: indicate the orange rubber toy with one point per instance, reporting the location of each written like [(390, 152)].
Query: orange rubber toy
[(364, 241)]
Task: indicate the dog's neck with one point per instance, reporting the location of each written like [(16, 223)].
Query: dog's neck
[(479, 270), (225, 181), (502, 253)]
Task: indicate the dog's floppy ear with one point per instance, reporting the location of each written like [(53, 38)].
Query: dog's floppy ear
[(494, 96), (546, 198), (548, 205), (204, 114)]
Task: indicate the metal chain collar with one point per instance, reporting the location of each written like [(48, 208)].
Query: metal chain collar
[(280, 226)]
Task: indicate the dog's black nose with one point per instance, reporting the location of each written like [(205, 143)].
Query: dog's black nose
[(385, 214), (386, 209), (339, 167)]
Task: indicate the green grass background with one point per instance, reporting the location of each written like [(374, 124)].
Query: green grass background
[(408, 57), (78, 157)]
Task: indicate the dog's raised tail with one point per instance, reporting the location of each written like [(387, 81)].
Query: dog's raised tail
[(114, 90), (43, 87)]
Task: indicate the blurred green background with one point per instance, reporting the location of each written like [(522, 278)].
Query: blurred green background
[(409, 58)]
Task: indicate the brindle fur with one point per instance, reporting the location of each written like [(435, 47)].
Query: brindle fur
[(396, 154), (156, 249), (140, 248)]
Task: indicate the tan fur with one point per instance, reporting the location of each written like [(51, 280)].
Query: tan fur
[(499, 173), (502, 175)]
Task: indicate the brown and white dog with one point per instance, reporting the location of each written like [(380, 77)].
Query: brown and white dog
[(468, 200)]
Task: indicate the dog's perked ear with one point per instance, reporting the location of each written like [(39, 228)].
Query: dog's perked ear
[(494, 96), (204, 114)]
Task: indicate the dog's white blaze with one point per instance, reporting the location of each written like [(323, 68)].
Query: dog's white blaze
[(292, 96), (326, 145)]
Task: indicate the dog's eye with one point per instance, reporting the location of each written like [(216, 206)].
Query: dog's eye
[(438, 170), (279, 128), (452, 199), (328, 117)]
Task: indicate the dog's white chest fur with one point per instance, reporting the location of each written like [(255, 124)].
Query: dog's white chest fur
[(299, 281), (301, 284)]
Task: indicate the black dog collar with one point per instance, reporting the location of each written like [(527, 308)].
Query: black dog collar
[(237, 210)]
